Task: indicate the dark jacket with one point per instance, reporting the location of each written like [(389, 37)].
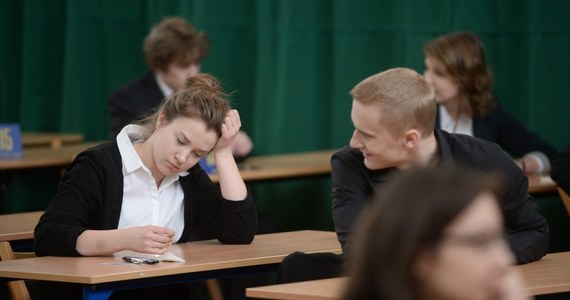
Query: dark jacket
[(90, 196), (498, 126), (132, 101), (354, 184)]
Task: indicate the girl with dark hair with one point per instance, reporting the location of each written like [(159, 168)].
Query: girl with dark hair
[(434, 234), (457, 69)]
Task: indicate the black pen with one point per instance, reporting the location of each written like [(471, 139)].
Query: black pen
[(140, 260)]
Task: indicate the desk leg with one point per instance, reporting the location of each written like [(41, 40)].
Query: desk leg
[(90, 294)]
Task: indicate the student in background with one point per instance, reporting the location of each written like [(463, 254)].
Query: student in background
[(456, 68), (145, 190), (173, 51), (434, 233), (561, 169)]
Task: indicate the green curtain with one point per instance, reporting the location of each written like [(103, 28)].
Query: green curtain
[(290, 64)]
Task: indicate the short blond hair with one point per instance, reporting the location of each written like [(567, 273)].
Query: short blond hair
[(405, 97)]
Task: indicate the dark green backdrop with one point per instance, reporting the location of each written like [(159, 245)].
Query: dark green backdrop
[(291, 64)]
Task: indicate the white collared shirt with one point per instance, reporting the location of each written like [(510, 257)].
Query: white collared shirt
[(463, 125), (164, 88), (143, 202)]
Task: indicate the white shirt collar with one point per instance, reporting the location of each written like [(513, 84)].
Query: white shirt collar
[(165, 89), (463, 125)]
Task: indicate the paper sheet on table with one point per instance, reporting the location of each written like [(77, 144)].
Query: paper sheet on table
[(169, 257)]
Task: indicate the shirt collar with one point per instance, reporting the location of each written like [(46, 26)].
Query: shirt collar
[(164, 88)]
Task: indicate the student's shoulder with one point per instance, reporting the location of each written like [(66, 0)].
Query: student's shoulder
[(105, 152), (465, 142), (134, 86), (347, 154)]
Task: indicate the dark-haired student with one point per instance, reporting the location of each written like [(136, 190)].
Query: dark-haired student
[(456, 68), (447, 243)]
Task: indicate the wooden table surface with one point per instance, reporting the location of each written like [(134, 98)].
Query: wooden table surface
[(18, 226), (314, 163), (200, 256), (541, 183), (549, 275), (42, 157), (281, 166), (50, 139)]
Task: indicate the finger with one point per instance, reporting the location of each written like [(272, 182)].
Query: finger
[(232, 129), (162, 230)]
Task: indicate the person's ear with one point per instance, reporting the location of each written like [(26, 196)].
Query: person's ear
[(161, 120), (412, 138)]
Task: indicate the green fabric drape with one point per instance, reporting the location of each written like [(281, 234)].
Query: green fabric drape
[(290, 64)]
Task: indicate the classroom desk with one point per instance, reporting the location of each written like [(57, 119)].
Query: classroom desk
[(36, 158), (204, 260), (282, 166), (541, 184), (19, 226), (54, 140), (315, 163), (549, 275), (43, 157)]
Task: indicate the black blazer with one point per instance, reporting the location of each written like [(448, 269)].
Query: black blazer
[(498, 126), (132, 101)]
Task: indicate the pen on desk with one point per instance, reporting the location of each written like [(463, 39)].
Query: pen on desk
[(140, 260)]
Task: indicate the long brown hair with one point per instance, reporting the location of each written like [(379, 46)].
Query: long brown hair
[(408, 217), (463, 56)]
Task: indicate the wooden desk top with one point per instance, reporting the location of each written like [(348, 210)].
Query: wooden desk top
[(323, 289), (282, 166), (18, 226), (41, 157), (35, 139), (549, 275), (199, 256), (313, 163), (540, 183)]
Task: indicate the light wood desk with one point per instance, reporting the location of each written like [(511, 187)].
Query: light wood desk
[(48, 139), (282, 166), (43, 157), (36, 158), (541, 184), (19, 226), (549, 275), (315, 163), (204, 260)]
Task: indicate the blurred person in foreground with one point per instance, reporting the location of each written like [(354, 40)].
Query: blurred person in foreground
[(434, 233)]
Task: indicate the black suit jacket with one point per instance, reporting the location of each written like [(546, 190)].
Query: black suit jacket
[(132, 101), (498, 126)]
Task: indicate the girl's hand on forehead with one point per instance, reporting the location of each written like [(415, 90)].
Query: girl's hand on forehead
[(230, 129)]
